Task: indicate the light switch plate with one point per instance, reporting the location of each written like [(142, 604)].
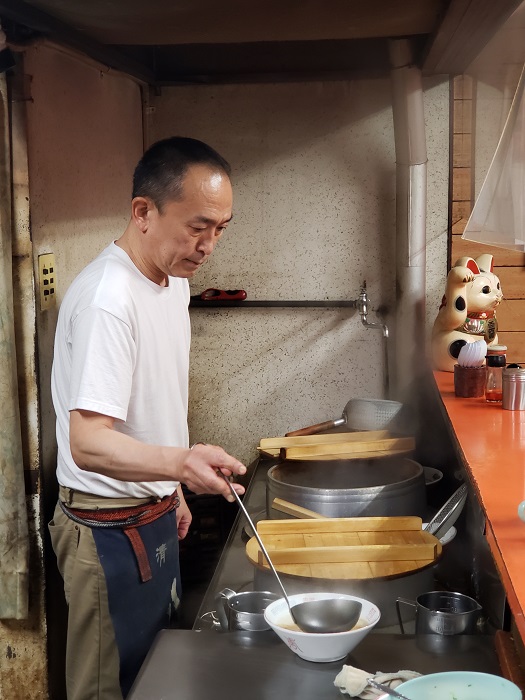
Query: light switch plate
[(47, 281)]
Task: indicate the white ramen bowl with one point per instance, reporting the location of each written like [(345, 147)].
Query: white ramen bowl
[(320, 647)]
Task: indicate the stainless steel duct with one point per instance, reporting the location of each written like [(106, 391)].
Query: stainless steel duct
[(411, 203)]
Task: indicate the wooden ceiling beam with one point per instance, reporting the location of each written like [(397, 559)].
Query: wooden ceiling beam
[(464, 30), (55, 30), (269, 61)]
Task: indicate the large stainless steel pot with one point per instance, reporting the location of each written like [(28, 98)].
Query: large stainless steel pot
[(349, 488)]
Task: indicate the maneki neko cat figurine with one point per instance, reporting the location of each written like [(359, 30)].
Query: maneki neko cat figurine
[(467, 312)]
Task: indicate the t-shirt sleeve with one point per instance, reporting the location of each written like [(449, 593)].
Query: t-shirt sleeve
[(103, 360)]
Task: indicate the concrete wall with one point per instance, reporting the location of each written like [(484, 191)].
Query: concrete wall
[(84, 139), (314, 216), (84, 130)]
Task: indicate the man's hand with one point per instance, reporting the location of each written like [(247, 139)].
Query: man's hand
[(184, 516), (200, 467)]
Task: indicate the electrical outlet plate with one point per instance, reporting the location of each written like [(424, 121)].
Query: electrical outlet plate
[(47, 281)]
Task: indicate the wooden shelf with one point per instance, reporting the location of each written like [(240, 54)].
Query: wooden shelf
[(321, 304)]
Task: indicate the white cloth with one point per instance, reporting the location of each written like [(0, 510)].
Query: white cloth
[(122, 349), (353, 681)]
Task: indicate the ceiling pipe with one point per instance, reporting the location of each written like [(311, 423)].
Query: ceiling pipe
[(411, 203)]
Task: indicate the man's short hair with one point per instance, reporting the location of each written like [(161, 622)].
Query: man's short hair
[(160, 172)]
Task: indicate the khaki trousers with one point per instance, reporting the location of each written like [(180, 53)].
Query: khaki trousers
[(92, 660)]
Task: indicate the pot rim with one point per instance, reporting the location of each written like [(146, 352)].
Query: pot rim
[(357, 490)]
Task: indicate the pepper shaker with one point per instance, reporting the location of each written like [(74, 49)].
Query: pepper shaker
[(514, 388)]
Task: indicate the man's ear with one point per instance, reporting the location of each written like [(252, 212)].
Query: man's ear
[(140, 211)]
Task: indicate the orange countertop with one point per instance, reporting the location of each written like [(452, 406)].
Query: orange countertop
[(493, 444)]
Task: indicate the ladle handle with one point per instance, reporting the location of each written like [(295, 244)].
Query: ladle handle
[(318, 428), (261, 545), (404, 601)]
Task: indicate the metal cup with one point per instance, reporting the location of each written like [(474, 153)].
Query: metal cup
[(513, 388), (243, 611), (441, 612)]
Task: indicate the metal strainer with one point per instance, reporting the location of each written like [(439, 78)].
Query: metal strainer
[(358, 414), (370, 414)]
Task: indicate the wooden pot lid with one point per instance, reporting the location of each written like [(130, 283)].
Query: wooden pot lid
[(345, 548)]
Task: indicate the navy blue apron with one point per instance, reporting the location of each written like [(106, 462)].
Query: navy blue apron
[(139, 610)]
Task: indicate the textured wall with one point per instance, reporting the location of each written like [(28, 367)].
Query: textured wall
[(437, 132), (314, 215), (84, 138)]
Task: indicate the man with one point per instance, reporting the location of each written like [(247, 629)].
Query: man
[(120, 391)]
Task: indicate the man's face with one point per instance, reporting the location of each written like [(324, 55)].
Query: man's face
[(183, 237)]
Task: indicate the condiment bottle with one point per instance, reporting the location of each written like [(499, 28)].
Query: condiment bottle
[(496, 361), (514, 388)]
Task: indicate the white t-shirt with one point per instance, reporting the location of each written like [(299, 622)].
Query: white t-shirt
[(122, 349)]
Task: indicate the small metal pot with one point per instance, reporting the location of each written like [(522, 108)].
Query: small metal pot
[(243, 611), (432, 476), (441, 612)]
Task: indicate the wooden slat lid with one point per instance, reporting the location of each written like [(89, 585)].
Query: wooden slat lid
[(345, 548)]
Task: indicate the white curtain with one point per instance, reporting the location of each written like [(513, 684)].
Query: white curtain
[(498, 216)]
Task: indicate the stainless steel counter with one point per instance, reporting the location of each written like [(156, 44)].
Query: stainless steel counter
[(205, 662), (188, 665), (236, 572)]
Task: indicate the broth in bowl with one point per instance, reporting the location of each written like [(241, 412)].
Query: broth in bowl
[(286, 623)]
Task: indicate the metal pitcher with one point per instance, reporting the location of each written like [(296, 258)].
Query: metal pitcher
[(243, 611), (441, 612)]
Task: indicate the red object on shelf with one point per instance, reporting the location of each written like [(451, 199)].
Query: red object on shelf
[(223, 295)]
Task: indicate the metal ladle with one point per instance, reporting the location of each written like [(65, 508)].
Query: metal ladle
[(315, 616)]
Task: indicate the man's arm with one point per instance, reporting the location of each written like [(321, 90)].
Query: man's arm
[(97, 447)]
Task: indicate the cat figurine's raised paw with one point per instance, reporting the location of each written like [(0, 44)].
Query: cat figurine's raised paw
[(468, 310)]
